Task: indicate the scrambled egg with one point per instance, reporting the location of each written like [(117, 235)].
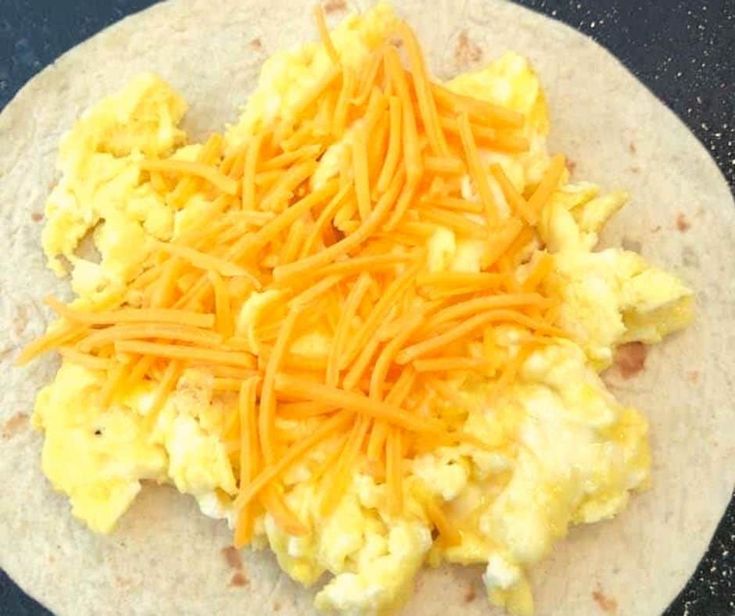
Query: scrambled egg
[(562, 450), (101, 192)]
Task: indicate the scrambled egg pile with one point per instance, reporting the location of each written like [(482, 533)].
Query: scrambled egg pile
[(564, 451)]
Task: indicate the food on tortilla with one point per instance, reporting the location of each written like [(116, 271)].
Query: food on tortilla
[(364, 324)]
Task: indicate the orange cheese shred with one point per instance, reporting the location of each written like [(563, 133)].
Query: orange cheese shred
[(515, 200), (480, 111), (319, 227), (284, 188), (354, 298), (360, 365), (360, 171), (173, 351), (457, 222), (540, 270), (271, 230), (355, 402), (411, 151), (548, 184), (394, 470), (223, 310), (443, 364), (165, 387), (53, 339), (392, 157), (370, 327), (462, 329), (292, 270), (477, 171), (183, 333), (131, 315), (501, 238), (207, 262), (267, 410), (472, 306), (339, 479), (424, 94), (321, 23), (342, 106), (445, 165), (248, 176), (249, 457), (87, 360), (313, 93), (285, 518), (369, 77), (285, 159), (182, 167), (388, 354), (293, 455)]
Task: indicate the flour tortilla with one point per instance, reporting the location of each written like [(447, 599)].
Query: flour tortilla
[(165, 557)]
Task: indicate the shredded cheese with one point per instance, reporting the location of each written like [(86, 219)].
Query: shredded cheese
[(411, 152), (548, 184), (211, 174), (321, 23), (172, 351), (248, 456), (339, 264), (424, 95), (360, 171), (477, 171), (394, 470), (352, 401)]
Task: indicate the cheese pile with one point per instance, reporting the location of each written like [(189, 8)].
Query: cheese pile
[(341, 258)]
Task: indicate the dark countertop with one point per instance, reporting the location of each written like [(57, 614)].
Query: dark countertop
[(682, 50)]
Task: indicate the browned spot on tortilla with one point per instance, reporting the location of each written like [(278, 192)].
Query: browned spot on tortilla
[(632, 148), (334, 5), (656, 229), (682, 223), (20, 320), (232, 557), (15, 424), (256, 44), (630, 358), (631, 244), (276, 607), (571, 165), (238, 580), (605, 603), (693, 376), (470, 595), (36, 217), (466, 52)]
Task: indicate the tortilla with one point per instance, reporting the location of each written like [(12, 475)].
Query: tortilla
[(165, 557)]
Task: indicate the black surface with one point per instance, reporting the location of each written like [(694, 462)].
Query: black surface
[(681, 50)]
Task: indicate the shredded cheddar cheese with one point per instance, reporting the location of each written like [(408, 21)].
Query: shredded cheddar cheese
[(345, 257), (181, 167)]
